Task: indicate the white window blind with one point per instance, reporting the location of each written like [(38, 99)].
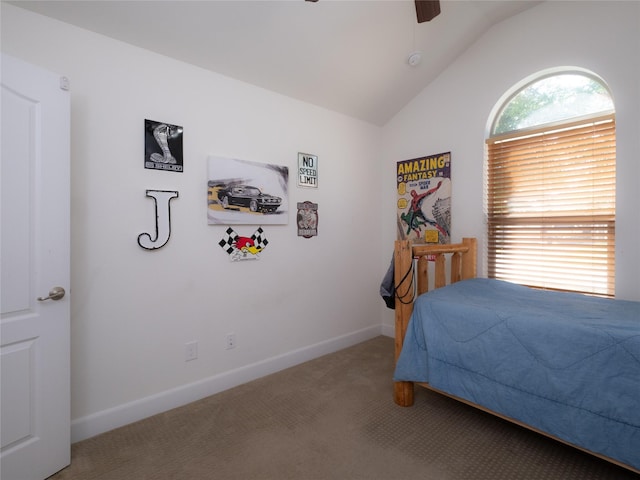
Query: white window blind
[(550, 200)]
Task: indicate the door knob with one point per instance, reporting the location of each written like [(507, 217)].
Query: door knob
[(56, 293)]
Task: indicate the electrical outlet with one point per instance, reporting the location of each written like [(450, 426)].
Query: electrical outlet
[(230, 341), (190, 351)]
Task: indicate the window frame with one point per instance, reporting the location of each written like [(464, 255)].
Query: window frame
[(490, 217)]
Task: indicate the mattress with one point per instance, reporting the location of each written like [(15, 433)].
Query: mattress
[(567, 364)]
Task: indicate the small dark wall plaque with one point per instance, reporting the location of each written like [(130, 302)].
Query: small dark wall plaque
[(307, 219), (163, 146)]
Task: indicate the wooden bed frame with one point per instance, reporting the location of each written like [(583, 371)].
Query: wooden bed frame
[(462, 264)]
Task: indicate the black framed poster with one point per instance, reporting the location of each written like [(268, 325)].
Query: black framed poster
[(163, 146)]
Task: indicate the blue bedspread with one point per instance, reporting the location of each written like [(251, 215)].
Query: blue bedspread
[(567, 364)]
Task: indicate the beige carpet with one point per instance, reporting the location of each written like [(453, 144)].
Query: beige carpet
[(331, 418)]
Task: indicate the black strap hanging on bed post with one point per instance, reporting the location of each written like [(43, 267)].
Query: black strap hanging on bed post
[(409, 292)]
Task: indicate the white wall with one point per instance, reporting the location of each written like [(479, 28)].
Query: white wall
[(451, 114), (132, 309)]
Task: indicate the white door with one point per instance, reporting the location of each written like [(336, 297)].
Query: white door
[(34, 334)]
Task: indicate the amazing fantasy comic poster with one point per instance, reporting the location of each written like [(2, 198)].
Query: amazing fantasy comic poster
[(424, 198)]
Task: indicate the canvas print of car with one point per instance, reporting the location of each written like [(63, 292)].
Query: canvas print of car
[(244, 192)]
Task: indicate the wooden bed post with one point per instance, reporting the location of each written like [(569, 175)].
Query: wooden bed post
[(403, 260), (470, 259), (463, 267)]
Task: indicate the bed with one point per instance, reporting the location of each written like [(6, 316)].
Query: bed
[(562, 364)]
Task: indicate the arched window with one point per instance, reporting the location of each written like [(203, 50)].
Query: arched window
[(550, 186)]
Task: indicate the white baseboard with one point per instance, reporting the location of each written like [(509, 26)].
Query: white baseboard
[(388, 331), (100, 422)]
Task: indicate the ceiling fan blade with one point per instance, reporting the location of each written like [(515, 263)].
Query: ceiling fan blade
[(427, 10)]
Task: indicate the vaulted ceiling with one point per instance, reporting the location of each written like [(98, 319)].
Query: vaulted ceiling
[(350, 56)]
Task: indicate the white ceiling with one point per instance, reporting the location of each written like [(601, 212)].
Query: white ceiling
[(349, 56)]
